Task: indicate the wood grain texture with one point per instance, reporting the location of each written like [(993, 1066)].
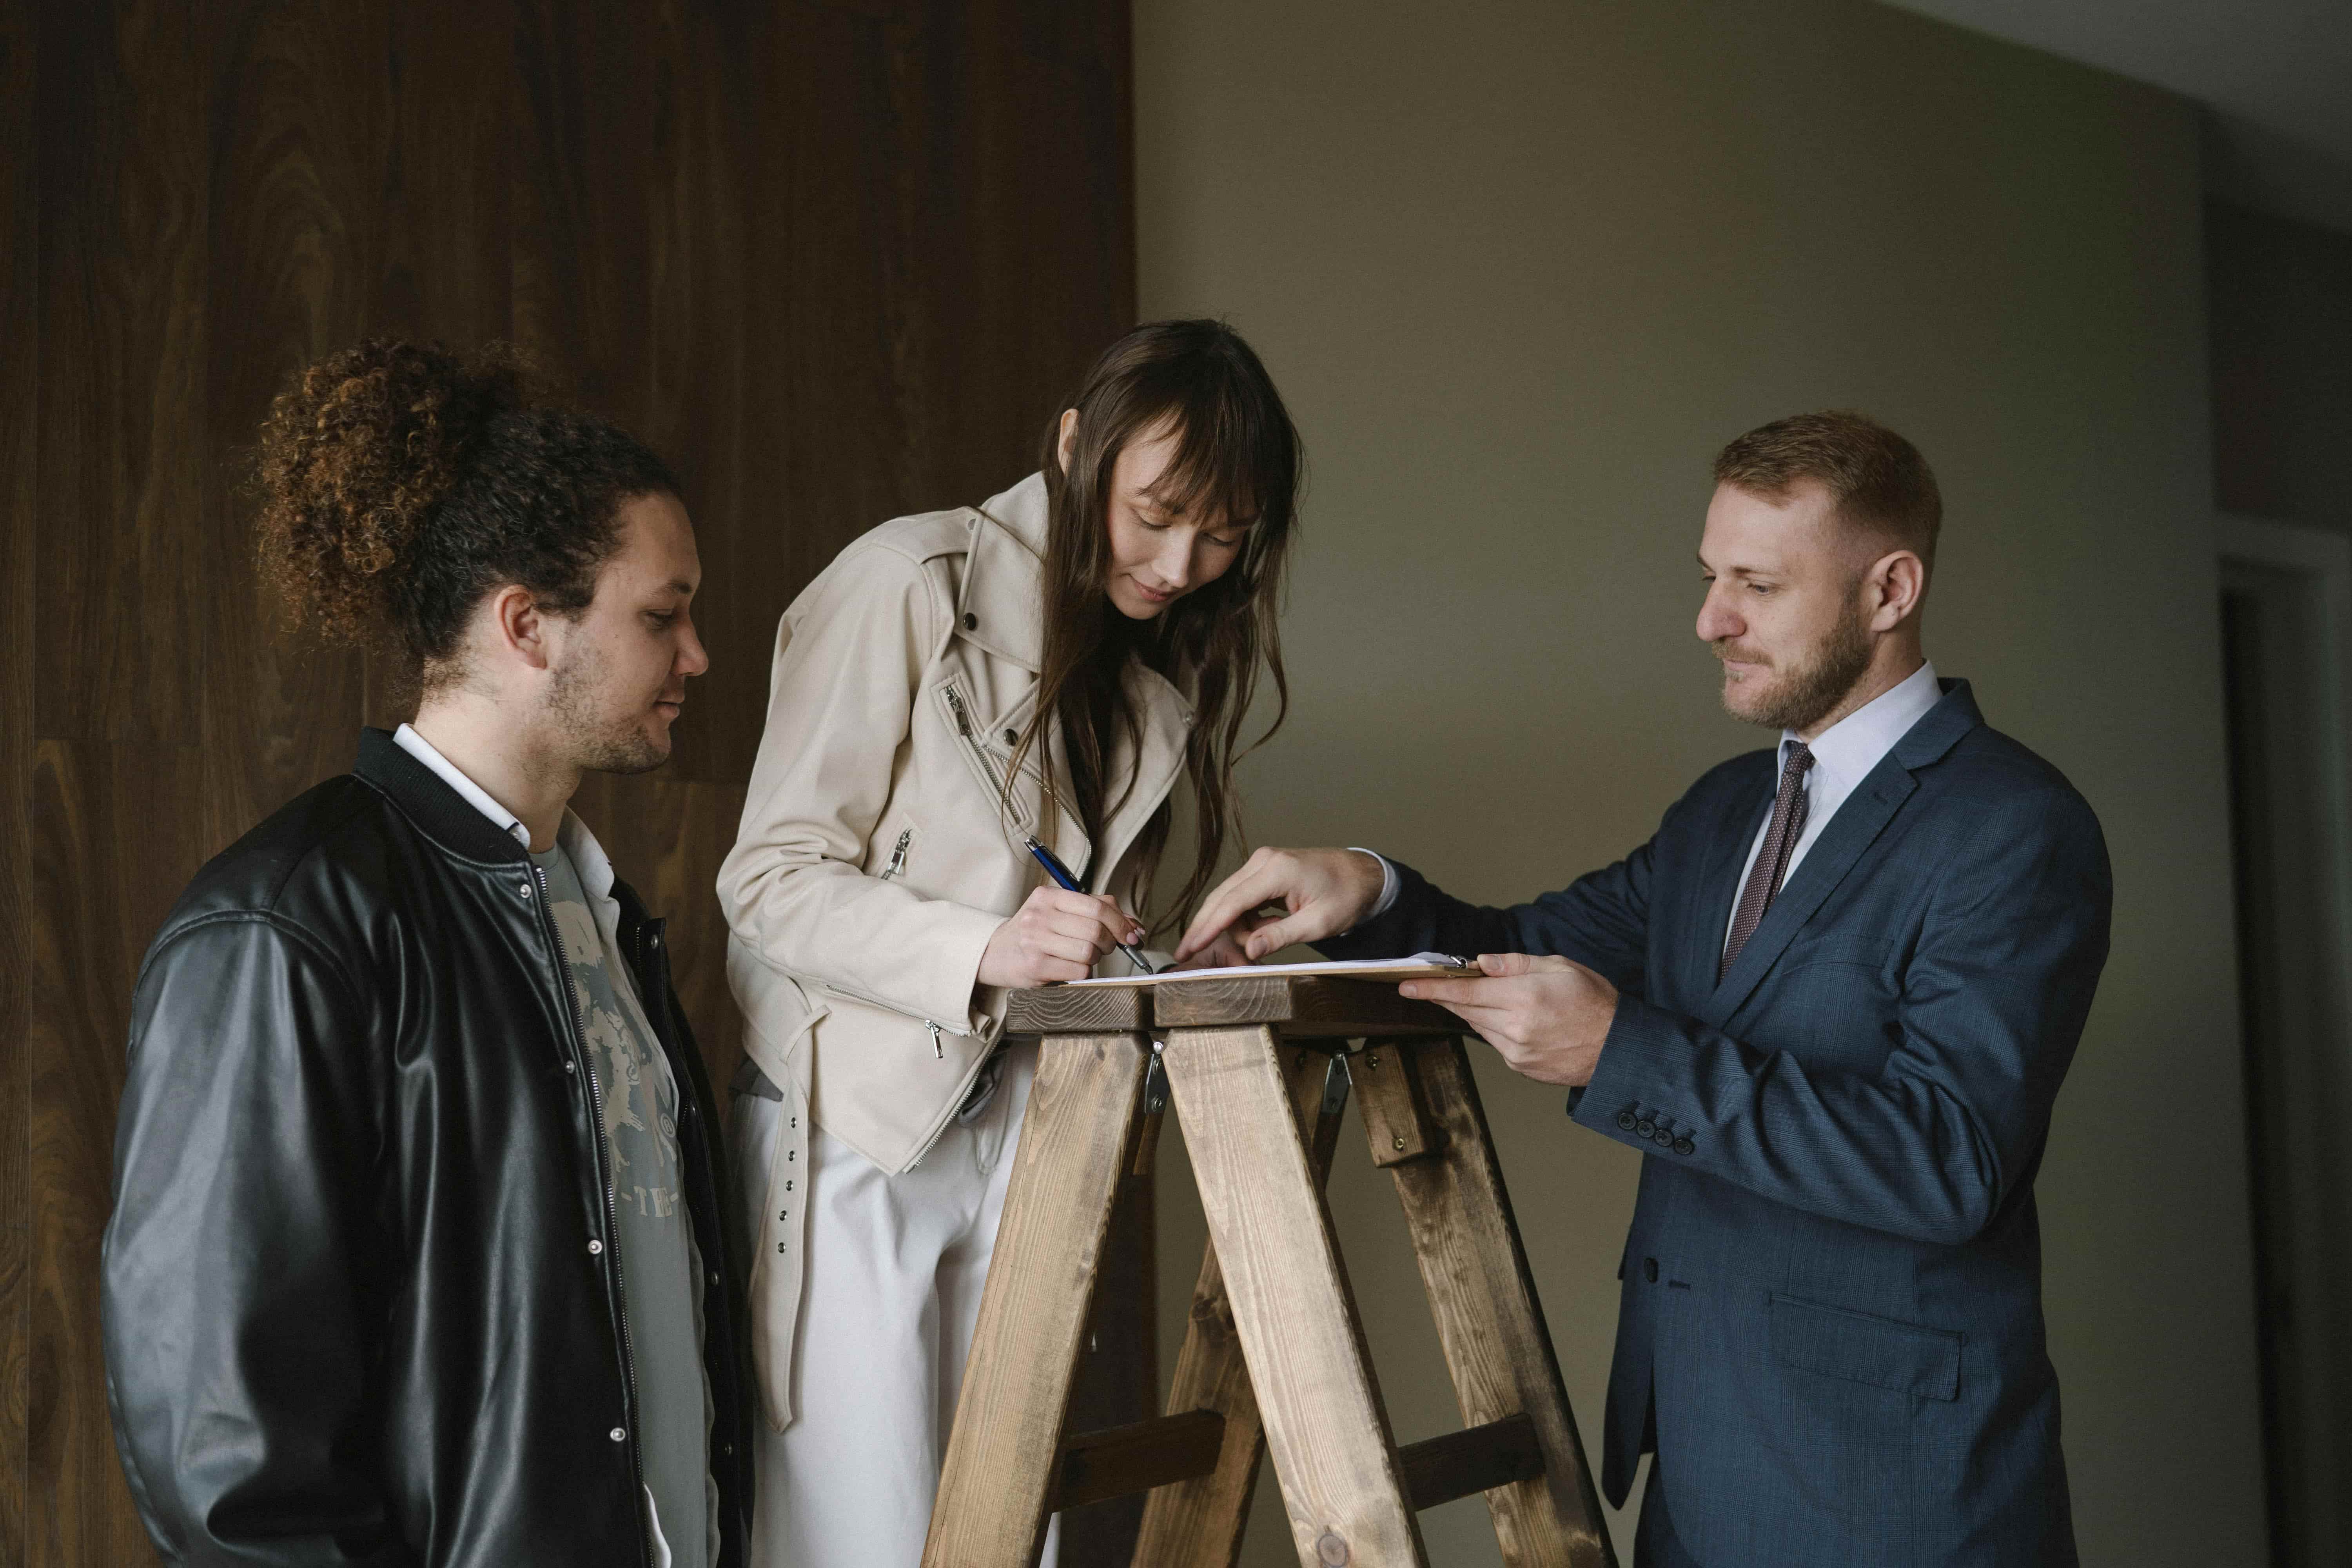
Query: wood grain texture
[(1075, 1141), (1397, 1125), (1199, 1523), (19, 516), (118, 832), (1489, 1322), (120, 122), (442, 258), (1111, 1462), (836, 264), (1076, 1010), (1318, 1395), (300, 95), (1307, 1009), (1475, 1459), (1116, 1381)]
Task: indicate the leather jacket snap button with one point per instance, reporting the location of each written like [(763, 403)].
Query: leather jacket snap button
[(595, 1249), (618, 1436)]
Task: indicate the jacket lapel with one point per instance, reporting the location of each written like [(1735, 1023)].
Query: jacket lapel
[(1166, 718), (1859, 822), (1001, 605), (1855, 827), (1000, 609), (1719, 887)]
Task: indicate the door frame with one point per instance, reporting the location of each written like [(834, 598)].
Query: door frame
[(2325, 558), (2311, 1525)]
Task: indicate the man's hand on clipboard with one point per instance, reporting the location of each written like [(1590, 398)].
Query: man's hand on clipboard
[(1547, 1016), (1280, 897)]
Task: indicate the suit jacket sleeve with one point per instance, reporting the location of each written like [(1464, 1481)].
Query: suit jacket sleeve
[(1930, 1146), (239, 1274), (1601, 921), (841, 701)]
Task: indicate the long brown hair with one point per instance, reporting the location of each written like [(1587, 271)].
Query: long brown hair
[(1237, 453)]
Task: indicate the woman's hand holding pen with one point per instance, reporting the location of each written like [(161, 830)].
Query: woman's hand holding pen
[(1055, 935)]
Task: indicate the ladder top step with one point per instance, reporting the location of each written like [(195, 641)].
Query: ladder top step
[(1311, 1008)]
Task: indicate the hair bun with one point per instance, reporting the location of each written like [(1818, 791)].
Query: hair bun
[(355, 458)]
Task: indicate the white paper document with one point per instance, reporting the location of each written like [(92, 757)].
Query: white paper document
[(1420, 966)]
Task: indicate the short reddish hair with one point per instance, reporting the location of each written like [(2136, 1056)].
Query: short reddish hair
[(1876, 480)]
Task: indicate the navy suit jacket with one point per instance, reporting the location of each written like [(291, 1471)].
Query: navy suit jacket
[(1831, 1320)]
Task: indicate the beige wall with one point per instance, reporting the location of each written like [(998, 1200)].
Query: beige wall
[(2280, 296), (1520, 266)]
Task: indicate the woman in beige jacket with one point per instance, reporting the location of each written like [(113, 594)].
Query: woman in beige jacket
[(1051, 663)]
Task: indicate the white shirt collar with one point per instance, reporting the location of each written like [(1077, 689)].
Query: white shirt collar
[(588, 857), (475, 795), (1850, 748)]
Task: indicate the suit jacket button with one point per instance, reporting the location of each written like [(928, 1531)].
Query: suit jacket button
[(1682, 1146), (1662, 1138), (971, 622), (1644, 1128), (1650, 1270), (1625, 1120)]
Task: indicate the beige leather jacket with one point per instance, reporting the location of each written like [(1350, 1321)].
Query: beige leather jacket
[(874, 862)]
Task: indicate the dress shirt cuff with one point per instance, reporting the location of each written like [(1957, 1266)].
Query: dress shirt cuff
[(1388, 883)]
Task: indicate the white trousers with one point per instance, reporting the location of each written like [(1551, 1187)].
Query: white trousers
[(890, 1293)]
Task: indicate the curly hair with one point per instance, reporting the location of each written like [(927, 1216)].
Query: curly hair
[(400, 484)]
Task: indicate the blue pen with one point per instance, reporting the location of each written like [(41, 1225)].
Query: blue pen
[(1062, 879)]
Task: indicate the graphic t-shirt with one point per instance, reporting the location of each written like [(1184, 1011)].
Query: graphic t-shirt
[(661, 1278)]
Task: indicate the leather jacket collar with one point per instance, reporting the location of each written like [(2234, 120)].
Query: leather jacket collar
[(443, 815)]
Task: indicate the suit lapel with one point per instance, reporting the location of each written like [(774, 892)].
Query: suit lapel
[(1856, 827), (1719, 887)]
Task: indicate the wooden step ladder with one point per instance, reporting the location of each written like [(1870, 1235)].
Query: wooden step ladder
[(1260, 1068)]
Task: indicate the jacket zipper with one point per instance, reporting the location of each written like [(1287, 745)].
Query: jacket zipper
[(898, 856), (986, 759), (579, 1027)]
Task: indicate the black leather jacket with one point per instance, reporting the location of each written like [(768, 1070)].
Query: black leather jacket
[(357, 1292)]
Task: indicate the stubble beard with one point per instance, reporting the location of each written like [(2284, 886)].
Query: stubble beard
[(1812, 690), (600, 742)]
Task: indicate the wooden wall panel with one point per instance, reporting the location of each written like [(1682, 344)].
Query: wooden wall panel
[(446, 254), (121, 131), (118, 828), (19, 503), (300, 131), (837, 260)]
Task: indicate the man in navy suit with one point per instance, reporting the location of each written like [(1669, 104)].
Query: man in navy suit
[(1830, 1001)]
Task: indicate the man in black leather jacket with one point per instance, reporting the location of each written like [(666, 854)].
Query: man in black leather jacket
[(363, 1287)]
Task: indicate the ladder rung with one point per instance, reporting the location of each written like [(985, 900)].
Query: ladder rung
[(1118, 1460), (1475, 1458)]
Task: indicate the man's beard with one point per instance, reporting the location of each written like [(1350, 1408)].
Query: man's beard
[(600, 743), (1811, 691)]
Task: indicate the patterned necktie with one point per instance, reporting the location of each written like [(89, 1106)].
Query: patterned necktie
[(1771, 864)]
